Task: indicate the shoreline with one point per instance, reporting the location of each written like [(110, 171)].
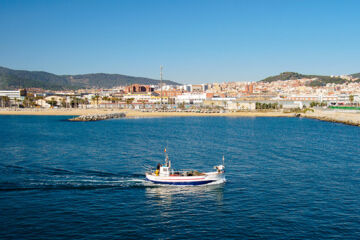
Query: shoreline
[(323, 115), (346, 118), (138, 114)]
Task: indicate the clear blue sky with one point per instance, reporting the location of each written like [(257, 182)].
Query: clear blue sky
[(196, 41)]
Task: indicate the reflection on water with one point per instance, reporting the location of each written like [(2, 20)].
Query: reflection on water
[(165, 194)]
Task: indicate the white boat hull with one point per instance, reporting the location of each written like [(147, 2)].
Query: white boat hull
[(205, 178)]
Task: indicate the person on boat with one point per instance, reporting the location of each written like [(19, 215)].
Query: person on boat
[(157, 169), (220, 168)]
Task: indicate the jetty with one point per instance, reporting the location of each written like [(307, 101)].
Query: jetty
[(97, 117), (348, 118)]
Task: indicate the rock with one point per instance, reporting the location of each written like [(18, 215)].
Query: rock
[(97, 117)]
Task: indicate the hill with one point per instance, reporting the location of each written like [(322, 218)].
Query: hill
[(14, 79), (319, 79), (355, 75), (284, 76)]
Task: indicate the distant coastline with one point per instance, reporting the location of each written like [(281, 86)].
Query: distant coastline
[(349, 118), (132, 113)]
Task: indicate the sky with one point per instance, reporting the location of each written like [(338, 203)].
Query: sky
[(197, 41)]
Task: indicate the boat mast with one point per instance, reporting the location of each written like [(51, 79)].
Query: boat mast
[(167, 161)]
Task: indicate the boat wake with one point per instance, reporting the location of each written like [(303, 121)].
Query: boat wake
[(15, 178), (220, 181)]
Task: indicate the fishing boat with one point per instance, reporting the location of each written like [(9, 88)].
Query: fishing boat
[(164, 174)]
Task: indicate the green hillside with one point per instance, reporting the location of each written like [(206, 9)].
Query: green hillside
[(284, 76), (356, 75), (14, 79), (319, 81)]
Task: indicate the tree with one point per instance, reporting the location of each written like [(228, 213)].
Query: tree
[(72, 102), (143, 102), (225, 104), (113, 100), (107, 99), (351, 99), (75, 102), (119, 99), (181, 105), (17, 101), (129, 101), (96, 99), (257, 105), (63, 103), (25, 102), (29, 101), (52, 102), (84, 101), (39, 97), (5, 101)]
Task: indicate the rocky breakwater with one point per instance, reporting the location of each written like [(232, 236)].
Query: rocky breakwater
[(97, 117)]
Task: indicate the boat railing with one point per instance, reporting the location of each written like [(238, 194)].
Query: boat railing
[(175, 171), (185, 172), (182, 170)]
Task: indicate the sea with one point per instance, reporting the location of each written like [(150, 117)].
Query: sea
[(286, 178)]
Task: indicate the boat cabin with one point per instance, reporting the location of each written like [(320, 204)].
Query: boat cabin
[(164, 171)]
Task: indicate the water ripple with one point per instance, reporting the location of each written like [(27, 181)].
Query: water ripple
[(287, 179)]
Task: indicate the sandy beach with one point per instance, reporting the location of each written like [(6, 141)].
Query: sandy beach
[(193, 114), (133, 114), (59, 111), (350, 118)]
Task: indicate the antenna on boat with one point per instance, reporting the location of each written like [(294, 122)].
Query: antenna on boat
[(223, 161), (167, 161)]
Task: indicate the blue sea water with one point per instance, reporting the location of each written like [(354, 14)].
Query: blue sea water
[(287, 178)]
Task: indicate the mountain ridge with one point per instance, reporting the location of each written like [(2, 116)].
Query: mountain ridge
[(14, 79)]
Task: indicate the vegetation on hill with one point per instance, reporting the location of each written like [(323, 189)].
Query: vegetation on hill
[(319, 79), (355, 75), (14, 79), (323, 80), (284, 76)]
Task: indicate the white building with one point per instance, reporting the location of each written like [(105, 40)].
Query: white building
[(14, 96), (42, 103), (187, 87), (292, 105), (10, 94), (234, 105), (189, 98)]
